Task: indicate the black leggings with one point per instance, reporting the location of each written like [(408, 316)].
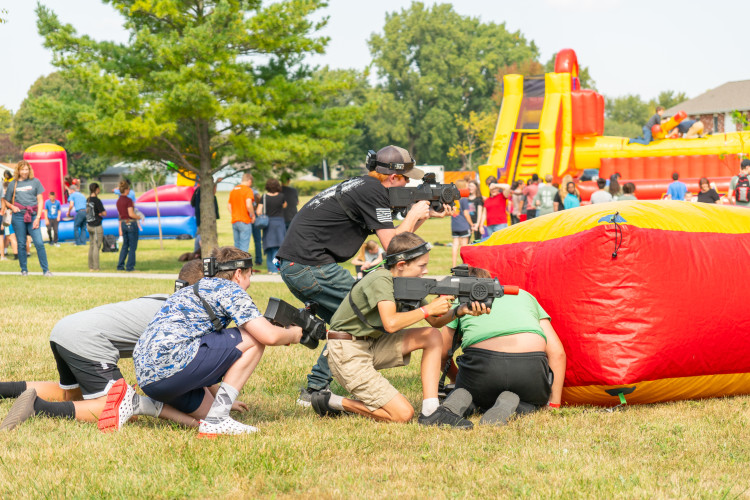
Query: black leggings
[(485, 374)]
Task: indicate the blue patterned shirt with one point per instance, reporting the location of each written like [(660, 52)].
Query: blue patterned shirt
[(173, 337)]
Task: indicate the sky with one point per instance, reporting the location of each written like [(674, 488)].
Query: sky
[(631, 47)]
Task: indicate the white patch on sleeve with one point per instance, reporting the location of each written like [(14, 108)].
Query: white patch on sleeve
[(383, 215)]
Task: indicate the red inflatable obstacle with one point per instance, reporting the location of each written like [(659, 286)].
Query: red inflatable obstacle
[(169, 192), (50, 164), (644, 295)]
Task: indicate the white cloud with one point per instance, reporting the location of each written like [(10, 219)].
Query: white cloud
[(584, 5)]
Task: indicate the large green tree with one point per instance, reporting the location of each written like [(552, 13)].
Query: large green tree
[(47, 115), (435, 65), (206, 84)]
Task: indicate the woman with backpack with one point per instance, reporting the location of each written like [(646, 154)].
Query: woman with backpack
[(94, 213)]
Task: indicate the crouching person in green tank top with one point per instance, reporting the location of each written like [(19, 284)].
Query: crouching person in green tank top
[(512, 362), (368, 334)]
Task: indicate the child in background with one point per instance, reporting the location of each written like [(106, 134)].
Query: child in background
[(370, 255), (52, 209)]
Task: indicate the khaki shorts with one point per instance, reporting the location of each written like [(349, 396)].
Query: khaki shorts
[(355, 364)]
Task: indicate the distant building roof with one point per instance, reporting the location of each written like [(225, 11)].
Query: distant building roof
[(723, 99), (121, 168)]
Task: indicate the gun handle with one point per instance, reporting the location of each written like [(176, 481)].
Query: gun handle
[(510, 290)]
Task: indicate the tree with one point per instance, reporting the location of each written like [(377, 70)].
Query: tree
[(477, 133), (629, 108), (669, 98), (206, 84), (434, 65), (47, 115)]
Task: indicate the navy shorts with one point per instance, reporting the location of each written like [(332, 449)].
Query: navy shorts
[(185, 389), (94, 378)]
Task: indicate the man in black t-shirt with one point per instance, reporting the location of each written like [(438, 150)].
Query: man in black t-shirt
[(292, 199), (332, 227)]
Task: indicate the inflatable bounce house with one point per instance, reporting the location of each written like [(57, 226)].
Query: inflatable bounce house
[(649, 298), (50, 163), (552, 126), (176, 214)]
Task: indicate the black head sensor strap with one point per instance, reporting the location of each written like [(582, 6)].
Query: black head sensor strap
[(394, 258), (211, 267), (373, 163)]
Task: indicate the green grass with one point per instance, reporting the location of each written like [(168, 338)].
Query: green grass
[(693, 449), (690, 449), (150, 258)]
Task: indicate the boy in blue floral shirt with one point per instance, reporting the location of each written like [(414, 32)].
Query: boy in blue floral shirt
[(187, 348)]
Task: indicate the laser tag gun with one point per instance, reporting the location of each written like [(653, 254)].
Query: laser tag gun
[(409, 292), (282, 313), (402, 198)]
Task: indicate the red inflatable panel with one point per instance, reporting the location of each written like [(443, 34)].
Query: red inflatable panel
[(50, 164), (636, 168), (696, 167), (652, 313), (650, 167), (588, 118), (607, 168), (169, 192)]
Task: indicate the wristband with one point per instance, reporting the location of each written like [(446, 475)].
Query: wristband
[(553, 405), (426, 314)]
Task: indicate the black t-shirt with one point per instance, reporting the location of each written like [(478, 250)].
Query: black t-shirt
[(559, 200), (322, 233), (274, 205), (710, 196), (94, 207), (474, 207), (292, 200), (195, 202)]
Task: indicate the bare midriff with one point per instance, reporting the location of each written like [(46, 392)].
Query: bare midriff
[(518, 342)]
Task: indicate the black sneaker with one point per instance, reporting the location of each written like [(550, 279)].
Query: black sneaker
[(319, 402), (305, 395), (444, 417)]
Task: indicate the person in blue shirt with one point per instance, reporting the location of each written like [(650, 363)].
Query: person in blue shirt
[(53, 209), (677, 189), (131, 193), (78, 202)]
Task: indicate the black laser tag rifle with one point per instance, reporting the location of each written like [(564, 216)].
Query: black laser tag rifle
[(284, 314), (402, 198), (409, 292)]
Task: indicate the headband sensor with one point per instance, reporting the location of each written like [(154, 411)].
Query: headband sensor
[(373, 163), (211, 267), (393, 259)]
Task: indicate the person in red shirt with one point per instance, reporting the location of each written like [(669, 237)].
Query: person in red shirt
[(128, 228), (495, 207)]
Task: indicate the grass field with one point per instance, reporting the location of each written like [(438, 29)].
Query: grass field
[(692, 449)]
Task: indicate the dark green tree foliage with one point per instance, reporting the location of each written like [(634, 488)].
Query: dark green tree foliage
[(206, 84), (434, 64), (47, 115)]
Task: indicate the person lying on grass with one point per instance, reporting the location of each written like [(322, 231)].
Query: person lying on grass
[(187, 348), (368, 334), (87, 347), (512, 363)]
